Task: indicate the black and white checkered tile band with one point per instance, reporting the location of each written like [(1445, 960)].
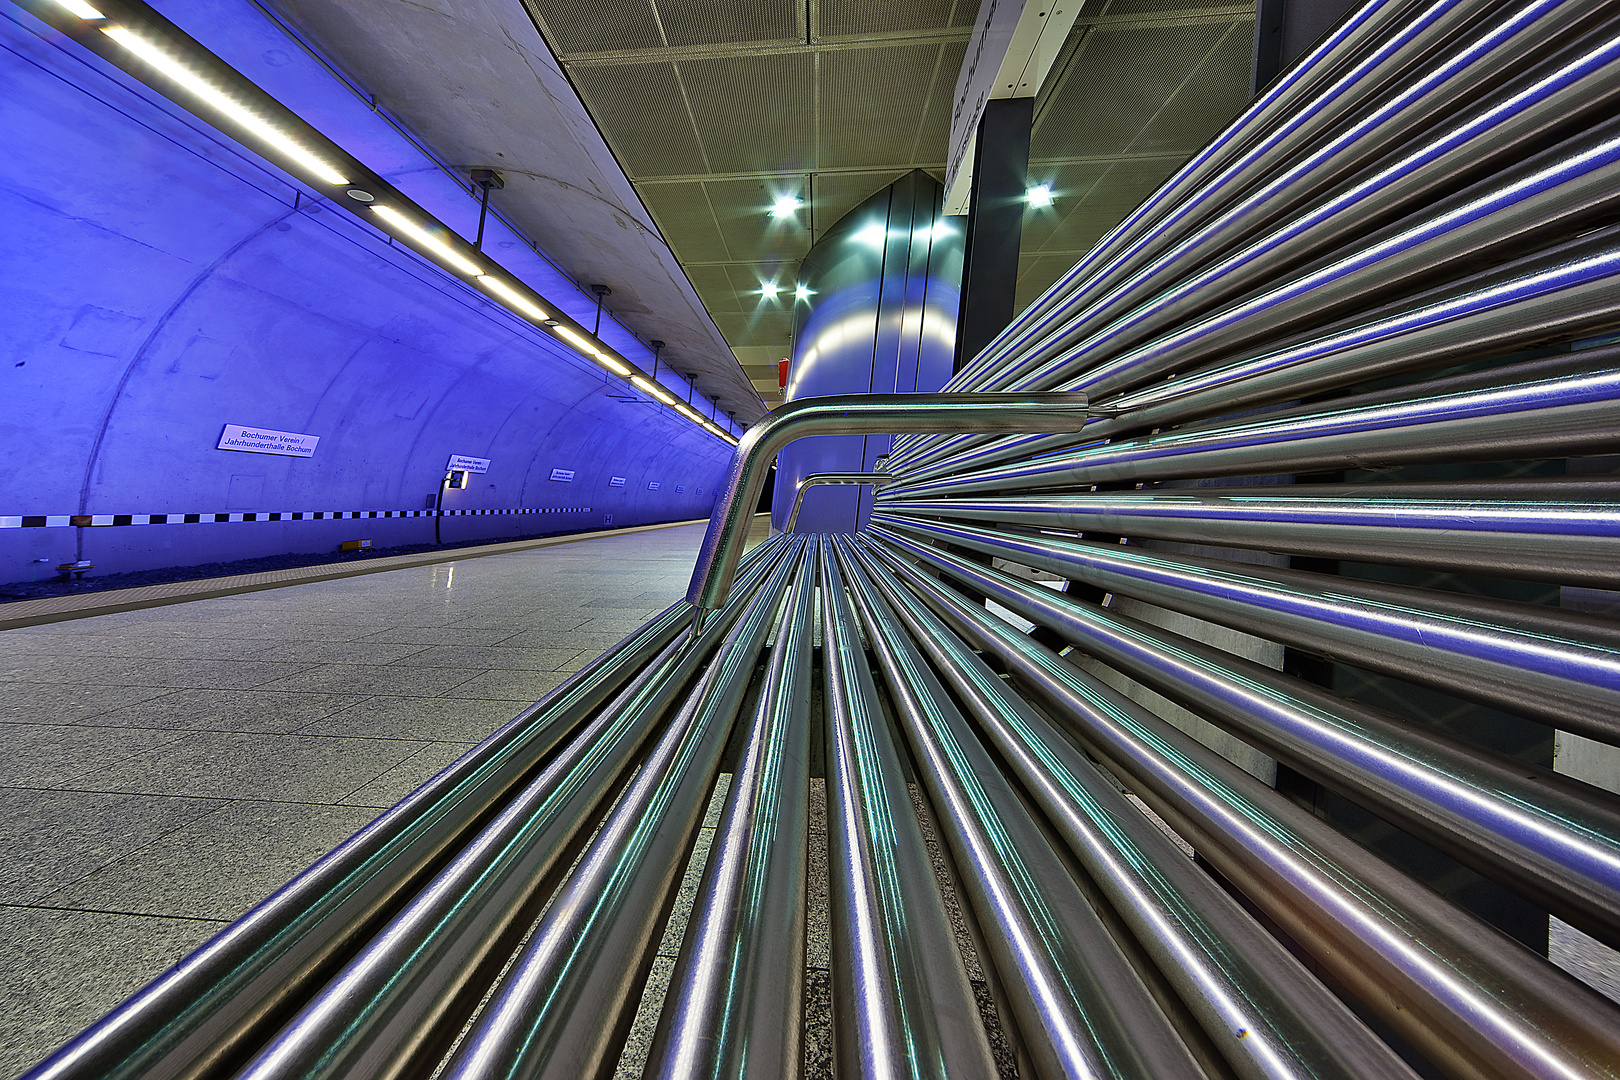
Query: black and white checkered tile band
[(56, 521)]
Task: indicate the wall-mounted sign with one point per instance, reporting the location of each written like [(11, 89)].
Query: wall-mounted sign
[(654, 485), (617, 481), (264, 441), (462, 463), (563, 476)]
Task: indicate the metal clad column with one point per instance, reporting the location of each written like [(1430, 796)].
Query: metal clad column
[(995, 225)]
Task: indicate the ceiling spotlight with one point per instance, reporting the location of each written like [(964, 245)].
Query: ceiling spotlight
[(802, 292), (1039, 195), (769, 289), (785, 205)]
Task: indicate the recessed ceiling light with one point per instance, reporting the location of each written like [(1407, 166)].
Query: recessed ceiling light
[(1039, 195), (786, 205), (769, 289), (801, 292)]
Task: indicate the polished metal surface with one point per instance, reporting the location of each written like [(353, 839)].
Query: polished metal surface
[(735, 1009), (856, 479), (1346, 512), (1259, 1006), (854, 415), (902, 1006), (1472, 999)]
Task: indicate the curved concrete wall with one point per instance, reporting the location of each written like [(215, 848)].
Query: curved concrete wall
[(161, 283)]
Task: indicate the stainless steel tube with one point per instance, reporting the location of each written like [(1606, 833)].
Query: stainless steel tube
[(1559, 667), (1353, 62), (1550, 418), (1261, 1009), (854, 414), (555, 1013), (734, 1002), (404, 997), (902, 1006), (1476, 56), (1574, 543), (1082, 1009), (595, 938), (853, 479), (1563, 365), (1543, 835), (1473, 1000)]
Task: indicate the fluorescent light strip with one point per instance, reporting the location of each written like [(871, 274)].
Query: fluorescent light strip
[(514, 298), (654, 389), (79, 9), (429, 240), (588, 347), (176, 71)]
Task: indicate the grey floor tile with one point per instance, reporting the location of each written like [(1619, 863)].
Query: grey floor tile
[(522, 686), (51, 668), (455, 720), (592, 643), (408, 775), (216, 867), (205, 674), (375, 679), (227, 710), (46, 755), (341, 652), (442, 635), (490, 656), (232, 765), (67, 703), (52, 838), (64, 969)]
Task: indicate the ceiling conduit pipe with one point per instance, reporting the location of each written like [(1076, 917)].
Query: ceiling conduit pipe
[(1469, 997)]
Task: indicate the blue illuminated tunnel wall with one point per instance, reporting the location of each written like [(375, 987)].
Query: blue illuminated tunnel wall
[(880, 317), (159, 283)]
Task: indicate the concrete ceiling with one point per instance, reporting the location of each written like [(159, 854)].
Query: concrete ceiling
[(716, 109), (713, 110), (474, 81)]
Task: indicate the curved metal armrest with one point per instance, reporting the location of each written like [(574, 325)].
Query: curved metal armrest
[(856, 414), (855, 479)]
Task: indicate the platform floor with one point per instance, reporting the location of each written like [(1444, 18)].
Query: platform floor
[(162, 770)]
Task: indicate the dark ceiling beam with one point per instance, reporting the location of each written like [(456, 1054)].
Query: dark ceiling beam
[(892, 39)]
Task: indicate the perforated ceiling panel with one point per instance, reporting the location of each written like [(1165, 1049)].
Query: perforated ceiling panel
[(718, 108)]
